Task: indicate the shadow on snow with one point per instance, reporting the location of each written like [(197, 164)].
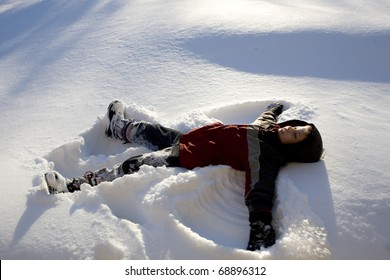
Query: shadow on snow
[(335, 56)]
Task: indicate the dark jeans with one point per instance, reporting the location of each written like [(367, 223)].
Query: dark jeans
[(162, 139), (155, 136)]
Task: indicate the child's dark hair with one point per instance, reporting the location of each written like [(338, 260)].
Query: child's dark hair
[(309, 150)]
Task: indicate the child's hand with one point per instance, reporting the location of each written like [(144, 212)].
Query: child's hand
[(277, 108), (261, 235)]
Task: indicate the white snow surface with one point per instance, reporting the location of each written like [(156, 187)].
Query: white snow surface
[(185, 64)]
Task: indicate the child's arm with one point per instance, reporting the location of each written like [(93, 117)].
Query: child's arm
[(271, 115)]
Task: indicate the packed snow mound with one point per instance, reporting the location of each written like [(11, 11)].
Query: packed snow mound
[(174, 213)]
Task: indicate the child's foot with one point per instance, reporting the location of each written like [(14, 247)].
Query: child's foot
[(117, 123), (56, 183)]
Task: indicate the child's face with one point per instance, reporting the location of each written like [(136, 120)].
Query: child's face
[(293, 134)]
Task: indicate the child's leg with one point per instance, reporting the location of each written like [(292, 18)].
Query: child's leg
[(56, 183), (153, 136)]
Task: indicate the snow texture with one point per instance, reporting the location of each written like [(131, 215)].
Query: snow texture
[(185, 64)]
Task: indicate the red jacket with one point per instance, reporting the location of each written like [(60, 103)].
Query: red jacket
[(215, 144), (243, 148)]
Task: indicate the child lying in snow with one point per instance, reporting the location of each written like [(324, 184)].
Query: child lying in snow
[(259, 149)]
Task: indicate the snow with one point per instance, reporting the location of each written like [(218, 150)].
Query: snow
[(185, 64)]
